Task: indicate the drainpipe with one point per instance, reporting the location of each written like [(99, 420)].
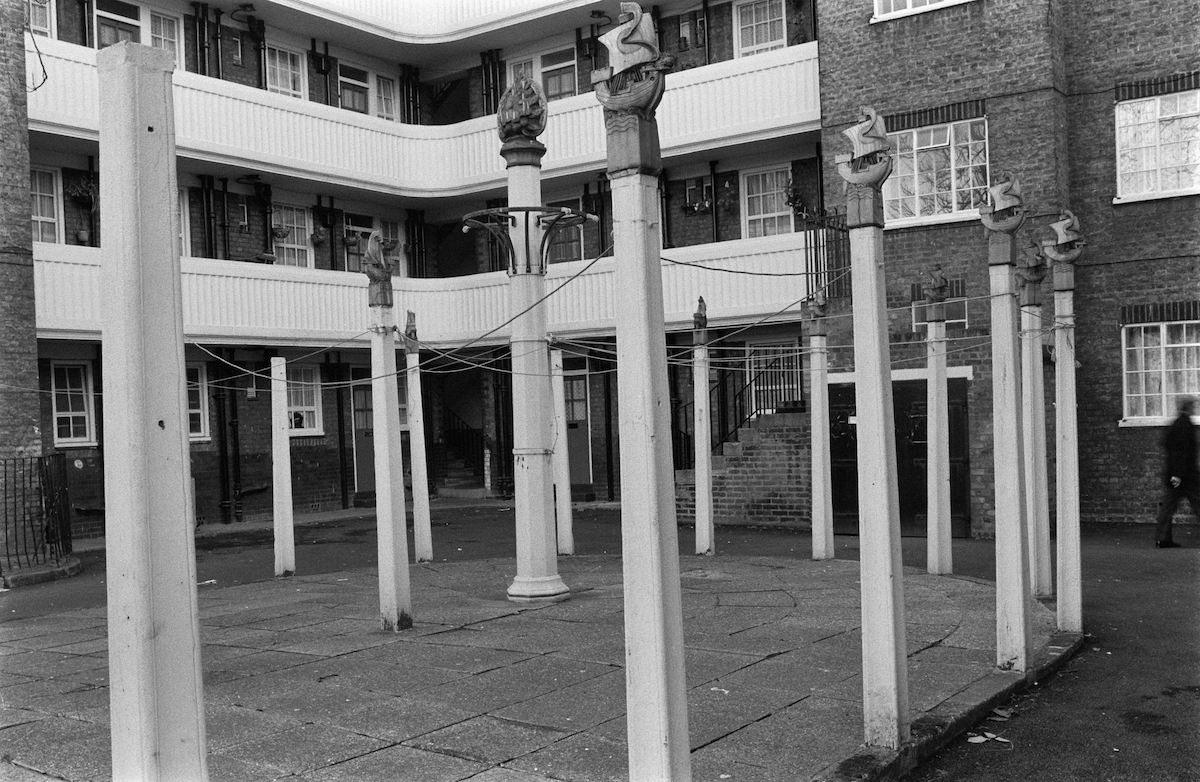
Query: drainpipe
[(712, 175), (202, 29), (665, 202), (217, 13), (707, 49)]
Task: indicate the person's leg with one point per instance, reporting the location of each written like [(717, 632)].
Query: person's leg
[(1166, 510)]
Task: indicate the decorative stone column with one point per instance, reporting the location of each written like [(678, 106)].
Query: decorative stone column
[(281, 472), (1002, 218), (706, 543), (656, 703), (563, 513), (822, 474), (939, 553), (418, 453), (395, 591), (522, 118), (885, 671), (1033, 402), (1064, 250), (155, 692)]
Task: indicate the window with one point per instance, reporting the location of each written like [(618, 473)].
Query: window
[(290, 228), (285, 74), (358, 230), (385, 100), (391, 233), (556, 70), (939, 170), (119, 21), (886, 8), (164, 33), (956, 305), (234, 42), (185, 224), (698, 194), (304, 400), (764, 196), (760, 27), (197, 401), (73, 404), (567, 243), (44, 204), (1162, 363), (1158, 145), (522, 68), (354, 88), (685, 33), (39, 17)]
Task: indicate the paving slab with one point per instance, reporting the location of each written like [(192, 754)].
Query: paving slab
[(300, 682)]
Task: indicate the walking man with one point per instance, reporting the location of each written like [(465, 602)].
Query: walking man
[(1181, 478)]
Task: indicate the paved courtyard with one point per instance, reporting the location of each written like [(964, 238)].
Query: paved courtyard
[(300, 683)]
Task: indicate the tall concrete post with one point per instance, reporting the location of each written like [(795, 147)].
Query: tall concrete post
[(155, 690), (939, 554), (706, 543), (885, 670), (562, 457), (522, 117), (395, 590), (1064, 250), (1002, 218), (656, 696), (281, 472), (1033, 395), (418, 453), (822, 472)]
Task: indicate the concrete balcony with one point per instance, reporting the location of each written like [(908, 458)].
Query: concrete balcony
[(232, 302), (772, 95)]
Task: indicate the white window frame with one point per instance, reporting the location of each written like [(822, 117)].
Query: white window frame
[(201, 386), (56, 176), (1166, 399), (301, 91), (145, 25), (920, 321), (562, 236), (89, 404), (354, 223), (537, 69), (298, 239), (783, 211), (386, 97), (185, 223), (886, 10), (1156, 103), (952, 129), (51, 20), (364, 84), (758, 48), (301, 377)]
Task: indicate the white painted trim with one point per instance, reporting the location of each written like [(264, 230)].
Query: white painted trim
[(60, 228), (1133, 199), (911, 373), (877, 18), (736, 28), (205, 433), (1151, 421), (294, 370), (89, 397), (965, 216)]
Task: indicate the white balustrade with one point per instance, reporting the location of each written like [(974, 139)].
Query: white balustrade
[(770, 95), (235, 302)]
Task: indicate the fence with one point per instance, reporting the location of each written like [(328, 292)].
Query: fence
[(36, 511), (826, 251)]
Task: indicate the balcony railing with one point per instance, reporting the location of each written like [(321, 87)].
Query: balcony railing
[(234, 302), (770, 95)]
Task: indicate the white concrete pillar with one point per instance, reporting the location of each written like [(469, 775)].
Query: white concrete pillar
[(418, 453), (562, 457), (533, 424), (939, 553), (155, 687), (885, 664), (706, 543), (395, 591), (822, 472), (281, 472), (1013, 634), (1033, 435)]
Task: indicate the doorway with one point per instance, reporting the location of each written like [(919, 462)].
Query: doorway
[(579, 440), (363, 416)]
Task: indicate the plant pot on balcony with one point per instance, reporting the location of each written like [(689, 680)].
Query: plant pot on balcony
[(319, 236), (389, 244), (351, 240), (280, 231), (83, 236)]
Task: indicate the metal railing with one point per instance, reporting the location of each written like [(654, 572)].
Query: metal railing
[(826, 251), (465, 441), (35, 511)]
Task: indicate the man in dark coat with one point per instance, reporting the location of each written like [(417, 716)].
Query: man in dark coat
[(1181, 478)]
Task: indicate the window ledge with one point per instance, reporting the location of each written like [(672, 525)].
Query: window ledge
[(878, 18), (69, 444), (198, 438), (1154, 421), (306, 433), (918, 222), (1133, 199)]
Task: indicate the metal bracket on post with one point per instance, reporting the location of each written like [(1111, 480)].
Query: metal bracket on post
[(552, 219)]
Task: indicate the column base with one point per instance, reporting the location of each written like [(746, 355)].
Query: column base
[(531, 589)]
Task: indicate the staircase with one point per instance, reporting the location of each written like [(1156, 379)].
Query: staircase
[(462, 480)]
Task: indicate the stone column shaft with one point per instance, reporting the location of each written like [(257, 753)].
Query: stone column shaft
[(419, 454), (281, 472), (822, 475), (939, 551), (562, 457), (1066, 482), (1037, 491), (155, 691), (702, 445)]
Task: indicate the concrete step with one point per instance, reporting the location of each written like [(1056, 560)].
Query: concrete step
[(462, 492)]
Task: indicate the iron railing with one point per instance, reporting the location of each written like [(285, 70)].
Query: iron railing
[(36, 510), (826, 251), (465, 441)]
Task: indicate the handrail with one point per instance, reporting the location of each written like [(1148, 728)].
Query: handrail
[(465, 440)]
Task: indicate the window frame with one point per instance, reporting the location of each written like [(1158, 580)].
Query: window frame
[(359, 85), (185, 223), (59, 217), (302, 91), (144, 25), (536, 67), (305, 375), (1156, 191), (1165, 398), (50, 31), (744, 200), (932, 5), (381, 100), (955, 214), (88, 391), (955, 299), (362, 225), (205, 432), (562, 237), (741, 51), (303, 243)]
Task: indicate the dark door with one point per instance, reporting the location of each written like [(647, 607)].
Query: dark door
[(909, 408), (579, 441)]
